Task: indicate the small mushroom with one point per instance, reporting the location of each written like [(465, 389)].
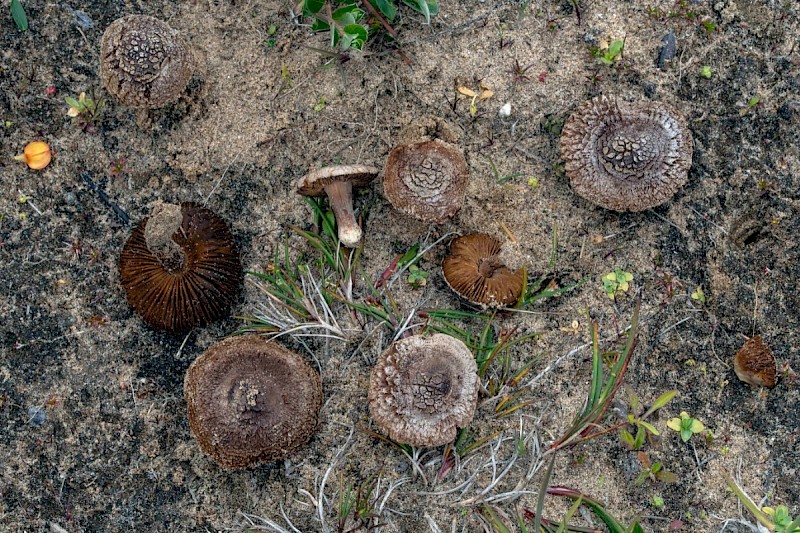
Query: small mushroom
[(180, 267), (143, 62), (422, 389), (337, 183), (474, 271), (427, 180), (251, 400), (755, 364), (626, 157)]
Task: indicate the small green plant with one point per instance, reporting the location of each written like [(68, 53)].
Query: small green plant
[(609, 53), (19, 16), (638, 421), (86, 112), (655, 472), (709, 25), (705, 72), (616, 283), (699, 295), (775, 519), (686, 426), (417, 277), (753, 101), (658, 501)]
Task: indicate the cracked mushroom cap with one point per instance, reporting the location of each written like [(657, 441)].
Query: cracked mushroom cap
[(755, 364), (626, 157), (180, 267), (251, 400), (144, 62), (427, 180), (423, 388), (474, 271)]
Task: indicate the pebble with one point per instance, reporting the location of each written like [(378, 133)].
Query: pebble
[(36, 416), (668, 51)]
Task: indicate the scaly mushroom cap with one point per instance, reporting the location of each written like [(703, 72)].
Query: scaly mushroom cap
[(180, 267), (251, 400), (422, 389), (144, 62), (427, 180), (626, 157), (474, 271), (755, 364)]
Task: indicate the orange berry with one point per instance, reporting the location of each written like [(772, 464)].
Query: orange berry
[(36, 155)]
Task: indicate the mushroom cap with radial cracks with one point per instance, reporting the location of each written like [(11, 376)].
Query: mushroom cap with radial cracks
[(143, 62), (474, 271), (183, 272), (626, 157), (755, 364), (250, 400), (423, 388)]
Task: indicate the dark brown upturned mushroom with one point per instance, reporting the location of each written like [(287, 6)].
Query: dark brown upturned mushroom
[(427, 180), (422, 389), (626, 157), (755, 364), (251, 400), (337, 183), (474, 271), (180, 267), (144, 62)]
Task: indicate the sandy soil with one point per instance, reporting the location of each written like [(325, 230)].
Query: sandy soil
[(95, 436)]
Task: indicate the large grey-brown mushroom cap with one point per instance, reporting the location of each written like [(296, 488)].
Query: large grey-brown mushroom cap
[(427, 180), (422, 389), (251, 400), (626, 157), (144, 62)]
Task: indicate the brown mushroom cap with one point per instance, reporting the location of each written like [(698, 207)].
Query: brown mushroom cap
[(251, 400), (626, 157), (337, 183), (421, 389), (427, 180), (180, 267), (474, 271), (755, 364), (144, 62)]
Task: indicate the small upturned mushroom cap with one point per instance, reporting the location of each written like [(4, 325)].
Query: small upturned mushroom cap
[(251, 400), (427, 180), (337, 183), (626, 157), (474, 271), (180, 267), (422, 389), (144, 62), (755, 364)]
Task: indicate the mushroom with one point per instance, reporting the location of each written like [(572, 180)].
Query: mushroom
[(626, 157), (421, 389), (474, 271), (180, 267), (251, 400), (337, 183), (755, 364), (427, 180), (143, 62)]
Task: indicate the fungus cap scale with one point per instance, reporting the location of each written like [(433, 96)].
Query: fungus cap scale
[(427, 180), (754, 363), (144, 62), (196, 292), (422, 389), (626, 157), (250, 400)]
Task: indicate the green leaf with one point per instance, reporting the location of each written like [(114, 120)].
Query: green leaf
[(686, 434), (355, 35), (660, 402), (428, 9), (387, 8), (19, 16), (615, 48), (73, 103), (627, 438), (649, 427), (320, 25), (347, 15), (640, 436), (312, 7)]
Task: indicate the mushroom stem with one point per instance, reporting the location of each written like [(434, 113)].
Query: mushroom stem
[(163, 223), (340, 196)]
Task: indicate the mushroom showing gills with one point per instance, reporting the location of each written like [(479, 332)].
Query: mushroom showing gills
[(251, 400), (143, 62), (755, 364), (337, 183), (474, 271), (427, 180), (422, 389), (626, 157), (180, 267)]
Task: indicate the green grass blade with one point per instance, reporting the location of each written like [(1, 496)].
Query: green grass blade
[(19, 16)]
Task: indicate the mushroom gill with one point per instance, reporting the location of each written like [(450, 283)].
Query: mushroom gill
[(180, 267), (423, 388), (250, 400), (626, 157)]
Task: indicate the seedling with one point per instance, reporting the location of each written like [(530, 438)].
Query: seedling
[(86, 112), (484, 93), (417, 277), (643, 428), (699, 295), (686, 426), (775, 519), (705, 72), (654, 472), (608, 53), (616, 283)]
